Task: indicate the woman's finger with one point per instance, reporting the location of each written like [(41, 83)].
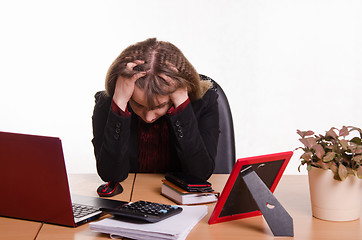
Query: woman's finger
[(169, 80), (138, 75), (131, 65)]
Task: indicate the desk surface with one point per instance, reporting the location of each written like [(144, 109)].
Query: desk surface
[(292, 192)]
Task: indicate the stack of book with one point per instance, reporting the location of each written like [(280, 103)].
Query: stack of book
[(181, 196)]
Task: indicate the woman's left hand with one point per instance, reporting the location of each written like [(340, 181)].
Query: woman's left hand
[(179, 96)]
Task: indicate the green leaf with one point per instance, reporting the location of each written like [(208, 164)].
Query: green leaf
[(300, 133), (343, 132), (358, 159), (356, 140), (358, 150), (350, 172), (344, 144), (332, 133), (355, 129), (309, 133), (309, 167), (307, 156), (303, 134), (333, 167), (329, 156), (359, 172), (308, 142), (342, 172), (329, 147), (319, 151), (323, 165)]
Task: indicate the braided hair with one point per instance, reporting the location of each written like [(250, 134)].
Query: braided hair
[(159, 58)]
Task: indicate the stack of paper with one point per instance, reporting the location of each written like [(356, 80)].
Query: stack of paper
[(175, 227)]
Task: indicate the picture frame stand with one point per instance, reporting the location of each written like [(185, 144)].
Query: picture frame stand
[(278, 219)]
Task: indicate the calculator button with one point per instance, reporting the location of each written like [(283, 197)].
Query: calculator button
[(147, 211)]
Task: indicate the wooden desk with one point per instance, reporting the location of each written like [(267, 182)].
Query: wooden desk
[(15, 229), (292, 192), (83, 184)]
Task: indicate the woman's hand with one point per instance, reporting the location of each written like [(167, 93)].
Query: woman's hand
[(125, 86), (179, 96)]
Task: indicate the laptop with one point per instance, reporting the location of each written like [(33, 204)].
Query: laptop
[(34, 184)]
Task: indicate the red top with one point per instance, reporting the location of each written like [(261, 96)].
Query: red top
[(154, 153)]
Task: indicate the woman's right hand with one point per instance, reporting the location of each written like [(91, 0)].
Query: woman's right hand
[(125, 86)]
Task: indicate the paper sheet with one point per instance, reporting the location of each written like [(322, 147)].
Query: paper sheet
[(175, 227)]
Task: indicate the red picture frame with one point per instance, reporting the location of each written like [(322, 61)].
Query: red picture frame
[(274, 165)]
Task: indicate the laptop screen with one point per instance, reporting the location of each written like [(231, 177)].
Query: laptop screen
[(33, 179)]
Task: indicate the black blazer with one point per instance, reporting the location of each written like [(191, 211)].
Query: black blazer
[(194, 136)]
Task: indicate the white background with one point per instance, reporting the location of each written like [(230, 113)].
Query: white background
[(284, 65)]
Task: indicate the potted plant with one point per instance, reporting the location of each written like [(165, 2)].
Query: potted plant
[(334, 164)]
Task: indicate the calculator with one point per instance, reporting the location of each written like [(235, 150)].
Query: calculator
[(144, 211)]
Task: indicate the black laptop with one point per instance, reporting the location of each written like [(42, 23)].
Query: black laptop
[(34, 184)]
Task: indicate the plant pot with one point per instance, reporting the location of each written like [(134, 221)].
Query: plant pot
[(334, 200)]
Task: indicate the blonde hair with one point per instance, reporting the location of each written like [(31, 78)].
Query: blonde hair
[(159, 58)]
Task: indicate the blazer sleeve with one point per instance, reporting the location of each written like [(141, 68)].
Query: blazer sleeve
[(111, 133), (196, 132)]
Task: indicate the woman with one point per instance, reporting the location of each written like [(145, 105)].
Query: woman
[(156, 116)]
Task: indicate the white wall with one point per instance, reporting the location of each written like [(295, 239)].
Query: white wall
[(284, 64)]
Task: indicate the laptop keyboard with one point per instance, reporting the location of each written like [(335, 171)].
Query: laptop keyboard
[(82, 210)]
